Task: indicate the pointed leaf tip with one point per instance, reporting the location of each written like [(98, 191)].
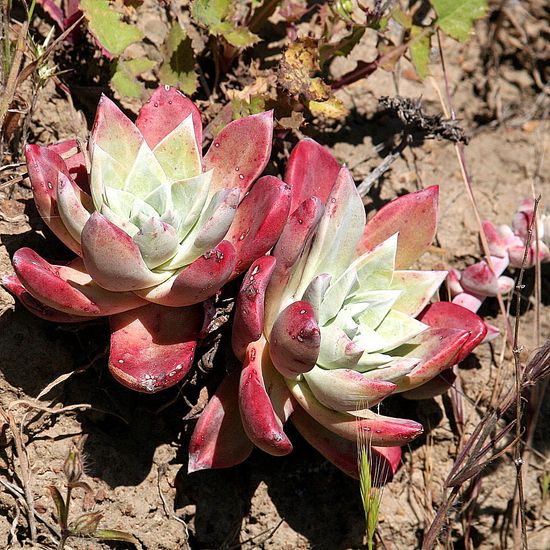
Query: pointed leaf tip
[(240, 152), (414, 216)]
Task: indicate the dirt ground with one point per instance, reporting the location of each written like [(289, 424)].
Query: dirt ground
[(135, 452)]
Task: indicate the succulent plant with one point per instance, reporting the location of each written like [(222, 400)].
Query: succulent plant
[(332, 323), (158, 228), (509, 246)]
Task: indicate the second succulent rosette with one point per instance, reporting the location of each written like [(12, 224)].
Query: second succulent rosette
[(332, 323)]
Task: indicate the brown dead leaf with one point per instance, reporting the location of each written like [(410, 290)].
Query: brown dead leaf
[(297, 71)]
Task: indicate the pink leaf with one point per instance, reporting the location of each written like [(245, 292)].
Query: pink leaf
[(480, 279), (219, 439), (414, 216), (239, 153), (437, 348), (381, 431), (248, 322), (76, 163), (69, 288), (44, 167), (260, 420), (163, 112), (115, 133), (297, 232), (448, 315), (152, 347), (311, 171), (113, 259), (198, 281), (295, 340), (11, 283), (259, 221)]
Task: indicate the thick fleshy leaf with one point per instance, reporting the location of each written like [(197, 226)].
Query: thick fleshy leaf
[(44, 166), (382, 431), (69, 150), (113, 259), (294, 239), (338, 232), (163, 112), (116, 135), (497, 245), (209, 230), (295, 340), (152, 347), (315, 292), (337, 350), (260, 420), (417, 288), (413, 216), (178, 152), (219, 439), (198, 281), (74, 206), (69, 288), (11, 283), (346, 390), (437, 348), (239, 153), (157, 242), (311, 171), (392, 370), (248, 322), (398, 328), (448, 315), (480, 279), (259, 221)]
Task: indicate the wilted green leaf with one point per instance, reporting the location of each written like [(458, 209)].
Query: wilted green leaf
[(420, 51), (456, 17), (111, 534), (124, 79), (210, 12), (105, 24), (178, 67)]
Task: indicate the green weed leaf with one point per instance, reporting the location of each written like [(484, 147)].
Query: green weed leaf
[(124, 80), (111, 534), (104, 22), (456, 17), (178, 67), (210, 12), (420, 51)]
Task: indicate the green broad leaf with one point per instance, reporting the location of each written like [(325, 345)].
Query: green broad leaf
[(343, 47), (105, 24), (124, 80), (239, 37), (456, 17), (178, 67), (211, 12), (420, 51), (404, 19), (112, 534)]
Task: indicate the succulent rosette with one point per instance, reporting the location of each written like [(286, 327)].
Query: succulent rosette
[(332, 323), (157, 228)]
